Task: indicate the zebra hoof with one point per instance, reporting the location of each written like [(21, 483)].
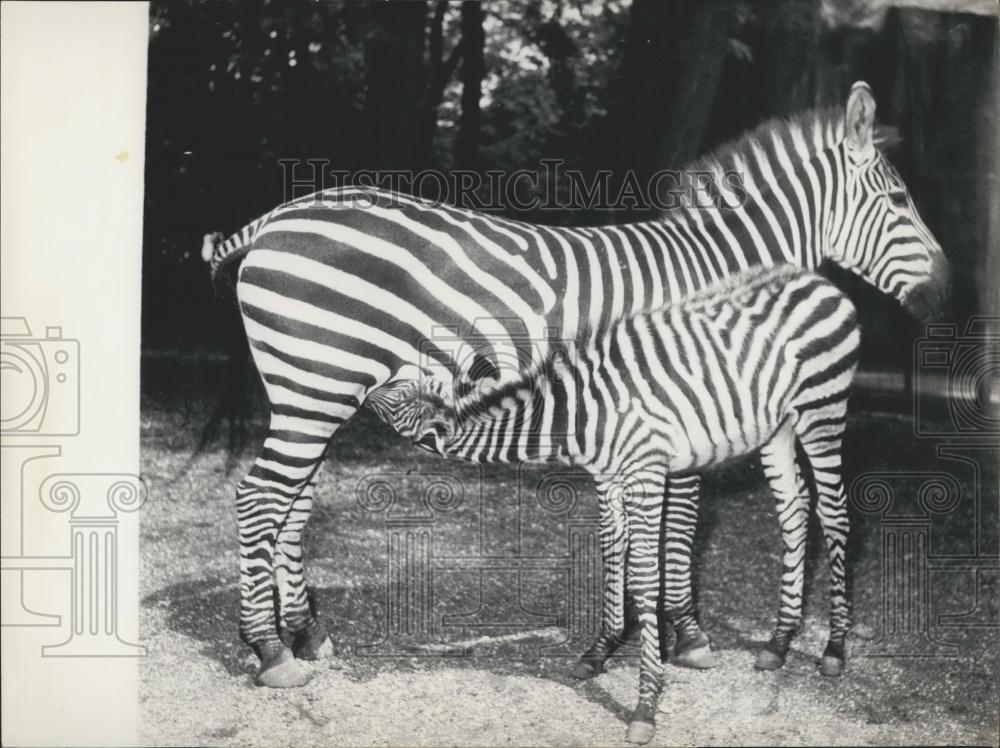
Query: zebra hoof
[(768, 660), (640, 732), (831, 666), (281, 670), (863, 631), (834, 657), (325, 651), (313, 643), (587, 667), (698, 658)]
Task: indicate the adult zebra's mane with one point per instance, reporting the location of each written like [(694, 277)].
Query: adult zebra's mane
[(802, 136), (757, 154)]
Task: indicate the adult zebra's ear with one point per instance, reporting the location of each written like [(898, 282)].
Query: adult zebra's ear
[(860, 119)]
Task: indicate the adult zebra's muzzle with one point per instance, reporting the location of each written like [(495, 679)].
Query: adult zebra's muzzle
[(928, 300)]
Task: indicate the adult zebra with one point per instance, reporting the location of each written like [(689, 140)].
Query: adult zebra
[(753, 362), (342, 293)]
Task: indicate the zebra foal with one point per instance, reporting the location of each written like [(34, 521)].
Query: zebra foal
[(756, 362)]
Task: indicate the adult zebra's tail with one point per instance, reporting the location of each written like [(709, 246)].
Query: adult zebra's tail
[(236, 393), (225, 255)]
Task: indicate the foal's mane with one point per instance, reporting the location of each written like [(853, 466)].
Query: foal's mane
[(743, 283)]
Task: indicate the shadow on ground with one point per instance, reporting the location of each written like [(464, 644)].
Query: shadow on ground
[(196, 684)]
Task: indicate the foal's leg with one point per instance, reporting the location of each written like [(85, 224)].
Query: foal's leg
[(692, 648), (792, 498), (644, 507), (823, 449)]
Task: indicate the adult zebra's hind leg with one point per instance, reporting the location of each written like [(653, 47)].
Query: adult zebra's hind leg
[(285, 468), (306, 634), (791, 494)]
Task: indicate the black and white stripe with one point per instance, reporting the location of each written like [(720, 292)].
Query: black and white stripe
[(754, 363), (349, 291)]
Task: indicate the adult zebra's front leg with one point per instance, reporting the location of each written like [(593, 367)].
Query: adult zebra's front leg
[(614, 629)]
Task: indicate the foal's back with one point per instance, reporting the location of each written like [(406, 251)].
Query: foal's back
[(719, 372)]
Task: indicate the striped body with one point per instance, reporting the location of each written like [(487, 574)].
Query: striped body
[(348, 294), (706, 379), (755, 362)]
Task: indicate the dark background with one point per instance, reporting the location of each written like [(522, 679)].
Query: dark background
[(234, 87)]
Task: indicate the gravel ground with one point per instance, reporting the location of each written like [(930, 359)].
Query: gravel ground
[(197, 686)]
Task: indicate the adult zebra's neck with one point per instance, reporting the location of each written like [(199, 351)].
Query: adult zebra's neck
[(770, 196)]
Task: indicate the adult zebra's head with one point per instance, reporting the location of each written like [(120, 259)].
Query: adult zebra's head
[(876, 231)]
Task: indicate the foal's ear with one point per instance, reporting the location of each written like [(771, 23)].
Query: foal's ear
[(860, 118)]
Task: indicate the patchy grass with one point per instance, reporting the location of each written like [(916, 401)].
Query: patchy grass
[(197, 686)]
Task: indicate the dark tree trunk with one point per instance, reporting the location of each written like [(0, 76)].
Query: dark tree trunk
[(701, 54), (787, 59), (441, 70), (396, 79), (989, 302), (473, 71), (673, 59), (645, 79), (562, 52)]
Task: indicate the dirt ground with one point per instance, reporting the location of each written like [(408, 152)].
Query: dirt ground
[(501, 688)]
